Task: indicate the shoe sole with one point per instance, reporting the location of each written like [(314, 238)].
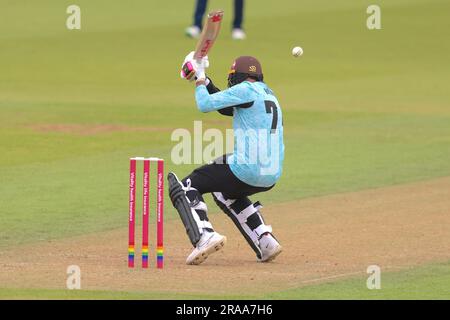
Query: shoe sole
[(209, 250), (273, 256)]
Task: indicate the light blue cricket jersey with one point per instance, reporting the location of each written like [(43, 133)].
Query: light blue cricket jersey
[(258, 130)]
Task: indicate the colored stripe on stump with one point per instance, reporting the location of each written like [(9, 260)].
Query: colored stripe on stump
[(145, 257)]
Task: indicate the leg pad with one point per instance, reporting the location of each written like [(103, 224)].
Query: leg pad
[(181, 204), (246, 217)]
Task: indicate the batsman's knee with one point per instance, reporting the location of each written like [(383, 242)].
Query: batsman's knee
[(247, 218)]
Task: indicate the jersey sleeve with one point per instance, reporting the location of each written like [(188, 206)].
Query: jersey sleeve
[(213, 89), (236, 95), (228, 111)]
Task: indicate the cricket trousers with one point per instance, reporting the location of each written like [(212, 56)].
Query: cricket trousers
[(231, 195)]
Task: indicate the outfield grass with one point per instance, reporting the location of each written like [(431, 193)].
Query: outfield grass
[(362, 108), (427, 282)]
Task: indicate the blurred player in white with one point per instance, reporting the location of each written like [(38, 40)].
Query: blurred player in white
[(237, 32)]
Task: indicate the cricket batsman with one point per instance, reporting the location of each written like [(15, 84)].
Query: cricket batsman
[(254, 166)]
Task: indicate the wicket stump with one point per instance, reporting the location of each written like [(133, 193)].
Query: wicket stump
[(146, 211)]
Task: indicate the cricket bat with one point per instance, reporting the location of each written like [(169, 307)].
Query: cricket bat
[(209, 34)]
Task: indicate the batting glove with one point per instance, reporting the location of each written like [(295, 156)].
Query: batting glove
[(193, 69), (201, 66)]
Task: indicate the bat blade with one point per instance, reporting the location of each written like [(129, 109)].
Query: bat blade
[(209, 34)]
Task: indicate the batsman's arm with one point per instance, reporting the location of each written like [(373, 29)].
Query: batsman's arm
[(236, 95), (228, 111), (213, 89)]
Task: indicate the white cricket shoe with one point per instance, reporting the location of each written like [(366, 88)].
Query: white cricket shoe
[(193, 32), (209, 243), (238, 34), (270, 248)]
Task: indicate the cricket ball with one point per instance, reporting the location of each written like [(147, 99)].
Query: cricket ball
[(297, 51)]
